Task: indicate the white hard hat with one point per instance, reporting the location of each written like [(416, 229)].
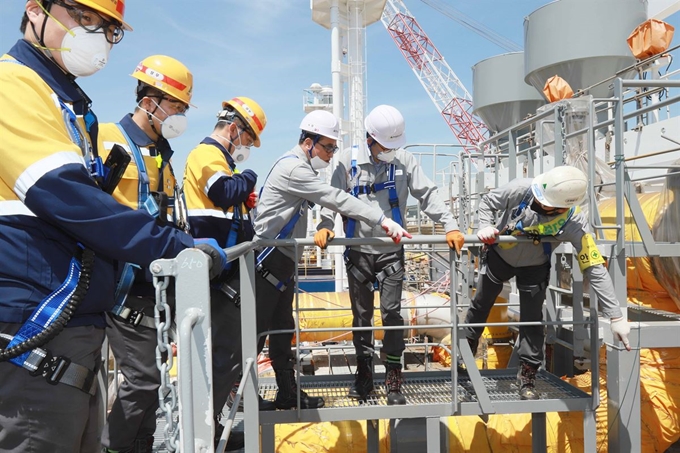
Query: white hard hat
[(321, 122), (386, 125), (561, 187)]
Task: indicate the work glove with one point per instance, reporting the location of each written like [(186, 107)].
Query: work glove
[(487, 235), (394, 230), (455, 239), (218, 259), (323, 237), (621, 329), (251, 202)]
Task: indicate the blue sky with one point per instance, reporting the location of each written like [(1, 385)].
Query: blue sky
[(270, 50)]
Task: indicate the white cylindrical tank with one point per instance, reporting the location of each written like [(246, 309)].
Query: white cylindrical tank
[(501, 97), (584, 42)]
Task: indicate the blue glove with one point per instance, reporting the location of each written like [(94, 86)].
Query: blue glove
[(218, 259)]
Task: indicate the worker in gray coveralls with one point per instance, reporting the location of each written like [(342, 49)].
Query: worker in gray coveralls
[(381, 175), (291, 188), (542, 207)]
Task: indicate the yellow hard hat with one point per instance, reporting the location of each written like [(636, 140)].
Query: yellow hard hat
[(251, 112), (166, 74), (115, 9)]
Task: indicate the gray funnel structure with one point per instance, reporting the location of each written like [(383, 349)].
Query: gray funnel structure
[(584, 42), (501, 98)]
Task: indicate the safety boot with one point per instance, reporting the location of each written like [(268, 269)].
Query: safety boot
[(363, 379), (286, 397), (526, 379), (263, 404), (393, 381), (462, 369)]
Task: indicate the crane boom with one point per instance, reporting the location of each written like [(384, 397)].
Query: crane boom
[(445, 89), (471, 24)]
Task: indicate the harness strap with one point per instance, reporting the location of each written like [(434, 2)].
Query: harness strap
[(362, 278), (144, 192), (267, 275), (135, 317), (48, 310), (57, 370), (391, 187), (389, 270)]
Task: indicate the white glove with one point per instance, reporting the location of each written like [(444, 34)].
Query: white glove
[(487, 235), (394, 230), (621, 329)]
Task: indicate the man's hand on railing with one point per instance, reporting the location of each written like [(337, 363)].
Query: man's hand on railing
[(394, 230), (323, 237), (218, 259), (455, 240), (621, 328), (487, 235)]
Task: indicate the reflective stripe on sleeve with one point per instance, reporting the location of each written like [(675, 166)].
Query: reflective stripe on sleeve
[(214, 213), (38, 169), (14, 207), (213, 179)]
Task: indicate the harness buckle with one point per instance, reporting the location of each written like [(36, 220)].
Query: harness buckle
[(136, 317), (52, 368)]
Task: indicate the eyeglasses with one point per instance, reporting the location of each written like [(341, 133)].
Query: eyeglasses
[(243, 128), (93, 22), (330, 149), (178, 106)]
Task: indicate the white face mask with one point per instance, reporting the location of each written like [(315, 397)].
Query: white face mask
[(318, 163), (387, 156), (87, 52), (173, 126), (240, 153)]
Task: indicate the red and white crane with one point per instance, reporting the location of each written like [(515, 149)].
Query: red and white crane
[(445, 89)]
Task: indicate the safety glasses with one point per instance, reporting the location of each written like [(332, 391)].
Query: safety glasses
[(330, 149), (93, 22)]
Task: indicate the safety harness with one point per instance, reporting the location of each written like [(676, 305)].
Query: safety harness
[(144, 201), (357, 189), (285, 233), (53, 313), (515, 224)]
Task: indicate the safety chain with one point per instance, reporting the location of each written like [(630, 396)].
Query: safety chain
[(561, 113), (171, 431), (463, 199)]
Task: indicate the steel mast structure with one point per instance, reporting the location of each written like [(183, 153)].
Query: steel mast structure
[(445, 89)]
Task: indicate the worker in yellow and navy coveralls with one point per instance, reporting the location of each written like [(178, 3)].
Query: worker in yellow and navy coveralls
[(546, 206), (289, 191), (382, 175), (163, 96), (60, 233), (219, 199)]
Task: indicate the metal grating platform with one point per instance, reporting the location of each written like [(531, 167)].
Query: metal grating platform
[(428, 394)]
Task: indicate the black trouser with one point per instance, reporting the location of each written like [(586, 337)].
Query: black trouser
[(390, 301), (226, 343), (275, 309), (133, 414), (532, 282), (37, 417)]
